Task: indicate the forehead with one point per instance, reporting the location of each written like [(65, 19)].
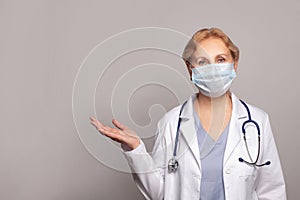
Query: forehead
[(210, 47)]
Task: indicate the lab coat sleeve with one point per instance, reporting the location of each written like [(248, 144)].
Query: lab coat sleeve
[(271, 184), (148, 168)]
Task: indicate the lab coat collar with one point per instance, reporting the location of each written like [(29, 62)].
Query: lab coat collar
[(237, 107), (235, 127), (188, 129)]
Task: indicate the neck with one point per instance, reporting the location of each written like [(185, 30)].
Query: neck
[(214, 113), (206, 102)]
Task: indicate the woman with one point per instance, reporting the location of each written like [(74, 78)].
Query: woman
[(200, 151)]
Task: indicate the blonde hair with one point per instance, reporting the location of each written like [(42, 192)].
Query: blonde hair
[(205, 34)]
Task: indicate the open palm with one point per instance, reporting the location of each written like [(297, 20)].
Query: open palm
[(122, 134)]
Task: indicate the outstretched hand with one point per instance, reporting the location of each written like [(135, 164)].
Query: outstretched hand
[(122, 134)]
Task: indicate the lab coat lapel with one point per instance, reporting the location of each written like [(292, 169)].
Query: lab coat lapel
[(235, 127), (188, 130)]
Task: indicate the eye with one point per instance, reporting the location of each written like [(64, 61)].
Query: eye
[(202, 62), (221, 60)]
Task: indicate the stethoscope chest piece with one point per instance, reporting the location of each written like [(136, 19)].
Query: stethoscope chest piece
[(173, 165)]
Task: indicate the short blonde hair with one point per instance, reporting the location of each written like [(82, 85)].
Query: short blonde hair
[(205, 34)]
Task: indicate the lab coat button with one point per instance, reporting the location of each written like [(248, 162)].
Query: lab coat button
[(228, 171)]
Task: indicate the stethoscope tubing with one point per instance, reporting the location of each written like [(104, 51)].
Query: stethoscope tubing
[(173, 159)]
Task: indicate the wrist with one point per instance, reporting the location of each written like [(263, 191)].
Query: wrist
[(135, 144), (132, 146)]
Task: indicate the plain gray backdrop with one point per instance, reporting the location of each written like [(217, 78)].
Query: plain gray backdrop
[(44, 42)]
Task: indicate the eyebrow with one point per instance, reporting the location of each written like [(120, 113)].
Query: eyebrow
[(222, 54)]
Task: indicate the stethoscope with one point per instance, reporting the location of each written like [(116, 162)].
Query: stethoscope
[(173, 162)]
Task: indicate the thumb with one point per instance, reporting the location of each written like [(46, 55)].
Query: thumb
[(119, 125)]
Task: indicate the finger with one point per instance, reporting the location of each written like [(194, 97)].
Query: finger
[(107, 129), (96, 122), (119, 125), (92, 118), (96, 125), (114, 130), (112, 135)]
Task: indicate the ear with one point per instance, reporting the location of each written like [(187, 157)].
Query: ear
[(236, 65), (190, 72), (189, 66)]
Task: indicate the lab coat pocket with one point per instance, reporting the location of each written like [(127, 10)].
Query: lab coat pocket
[(247, 173), (247, 181), (247, 178)]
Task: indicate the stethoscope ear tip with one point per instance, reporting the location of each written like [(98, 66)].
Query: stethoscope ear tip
[(241, 159)]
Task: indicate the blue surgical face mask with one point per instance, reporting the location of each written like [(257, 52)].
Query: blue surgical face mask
[(214, 80)]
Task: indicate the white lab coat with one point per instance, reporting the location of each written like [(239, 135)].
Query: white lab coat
[(241, 181)]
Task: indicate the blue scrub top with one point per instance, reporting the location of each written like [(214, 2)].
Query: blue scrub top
[(211, 154)]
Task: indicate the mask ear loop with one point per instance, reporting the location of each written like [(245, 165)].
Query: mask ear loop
[(235, 69)]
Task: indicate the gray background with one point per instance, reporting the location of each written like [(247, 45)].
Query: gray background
[(43, 43)]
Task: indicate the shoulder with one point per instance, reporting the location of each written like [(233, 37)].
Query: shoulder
[(184, 110), (256, 112), (170, 116)]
